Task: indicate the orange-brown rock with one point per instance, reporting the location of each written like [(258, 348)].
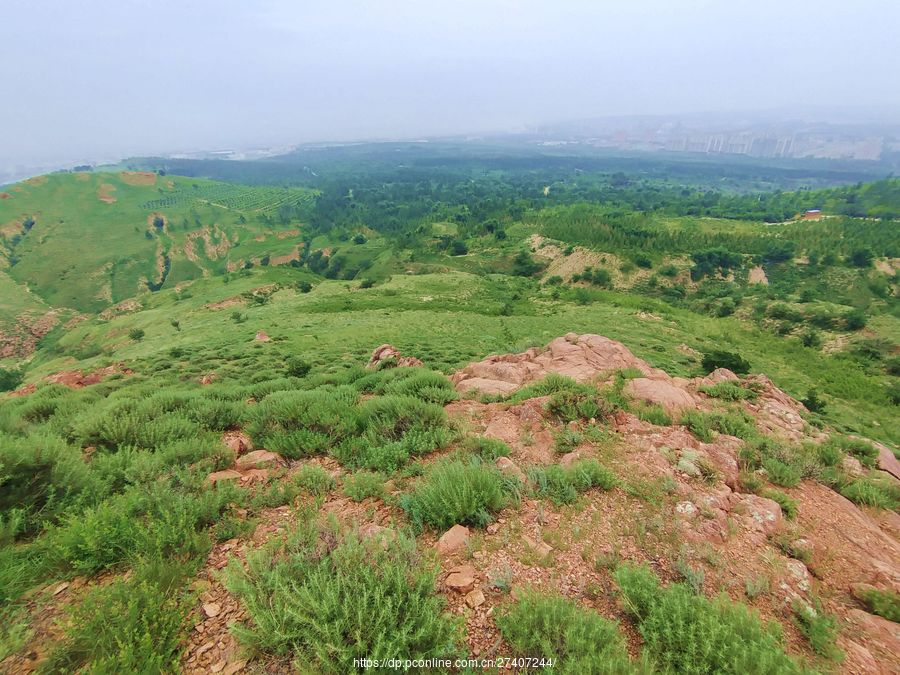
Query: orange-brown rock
[(259, 459), (388, 356), (453, 540)]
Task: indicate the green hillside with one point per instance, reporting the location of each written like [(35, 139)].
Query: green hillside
[(165, 335), (90, 240)]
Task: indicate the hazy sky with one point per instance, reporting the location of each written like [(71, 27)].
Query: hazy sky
[(103, 78)]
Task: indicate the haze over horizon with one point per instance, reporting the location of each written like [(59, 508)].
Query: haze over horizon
[(106, 79)]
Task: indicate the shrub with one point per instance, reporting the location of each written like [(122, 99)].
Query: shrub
[(136, 334), (452, 492), (781, 473), (884, 603), (561, 485), (819, 628), (703, 424), (364, 484), (489, 449), (326, 605), (728, 391), (578, 404), (654, 414), (865, 452), (881, 494), (131, 626), (723, 359), (788, 504), (554, 628), (297, 367), (687, 633), (314, 479), (10, 378)]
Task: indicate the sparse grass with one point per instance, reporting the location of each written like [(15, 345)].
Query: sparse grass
[(703, 424), (455, 492), (729, 391), (819, 627), (562, 484), (884, 603), (328, 599), (788, 504)]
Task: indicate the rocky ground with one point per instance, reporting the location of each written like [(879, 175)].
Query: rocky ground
[(666, 512)]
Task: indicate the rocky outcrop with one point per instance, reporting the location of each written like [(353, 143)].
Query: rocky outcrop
[(387, 356), (581, 357)]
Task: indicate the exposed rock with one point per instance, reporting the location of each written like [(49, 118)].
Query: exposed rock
[(209, 378), (581, 357), (259, 459), (887, 461), (570, 458), (719, 375), (461, 579), (212, 609), (387, 356), (660, 392), (237, 441), (510, 468), (852, 466), (255, 475), (540, 548), (227, 474), (453, 540), (475, 598), (762, 515), (261, 336)]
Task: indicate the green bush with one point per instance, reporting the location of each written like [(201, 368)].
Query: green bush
[(554, 628), (489, 449), (781, 473), (10, 378), (788, 504), (40, 475), (723, 359), (883, 603), (325, 605), (561, 485), (581, 403), (152, 523), (454, 492), (364, 484), (314, 479), (865, 452), (703, 424), (728, 391), (297, 367), (132, 626), (881, 494), (652, 413), (687, 633), (819, 628)]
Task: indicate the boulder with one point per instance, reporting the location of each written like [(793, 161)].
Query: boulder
[(510, 468), (461, 579), (887, 461), (570, 458), (539, 548), (237, 441), (218, 476), (581, 357), (388, 356), (259, 459), (261, 336), (453, 540), (661, 392), (475, 598)]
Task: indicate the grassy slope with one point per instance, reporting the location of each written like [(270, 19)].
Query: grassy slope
[(448, 320), (100, 252)]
